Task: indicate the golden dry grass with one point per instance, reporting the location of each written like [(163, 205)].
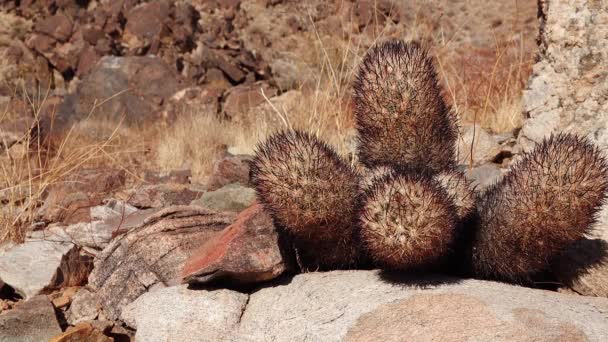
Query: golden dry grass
[(28, 169), (484, 85)]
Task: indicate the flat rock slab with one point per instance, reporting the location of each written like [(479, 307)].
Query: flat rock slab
[(40, 265), (232, 197), (151, 255), (365, 305), (369, 306), (179, 314), (108, 220), (32, 321)]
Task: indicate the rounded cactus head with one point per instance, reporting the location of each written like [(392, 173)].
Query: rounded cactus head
[(309, 191), (401, 116), (407, 222), (546, 202)]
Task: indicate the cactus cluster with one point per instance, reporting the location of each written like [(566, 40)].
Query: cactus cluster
[(407, 206)]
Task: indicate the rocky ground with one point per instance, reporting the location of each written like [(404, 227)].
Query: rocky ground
[(126, 131)]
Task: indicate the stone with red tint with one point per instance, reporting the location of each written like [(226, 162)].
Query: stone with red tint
[(248, 251)]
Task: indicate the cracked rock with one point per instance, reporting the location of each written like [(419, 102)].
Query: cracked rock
[(151, 255), (179, 314)]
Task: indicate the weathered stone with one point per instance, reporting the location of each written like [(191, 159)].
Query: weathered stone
[(87, 60), (248, 251), (240, 99), (145, 25), (133, 87), (485, 175), (82, 332), (151, 255), (485, 147), (229, 169), (70, 201), (58, 26), (225, 63), (198, 100), (161, 195), (370, 305), (286, 103), (84, 307), (568, 89), (32, 321), (63, 298), (232, 197), (42, 264), (106, 221), (179, 314)]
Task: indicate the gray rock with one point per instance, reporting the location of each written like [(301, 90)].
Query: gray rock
[(40, 265), (485, 175), (485, 146), (84, 307), (108, 219), (568, 89), (151, 255), (179, 314), (231, 197), (364, 306), (369, 305), (133, 86), (32, 321)]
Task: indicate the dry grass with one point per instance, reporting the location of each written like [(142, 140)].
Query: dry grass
[(483, 84), (28, 168)]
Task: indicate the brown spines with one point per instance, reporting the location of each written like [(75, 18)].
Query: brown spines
[(401, 116), (546, 202), (407, 222), (312, 194)]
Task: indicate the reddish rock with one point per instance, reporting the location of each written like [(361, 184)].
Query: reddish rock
[(58, 26), (70, 201), (200, 100), (145, 25), (88, 59), (248, 251), (152, 255), (41, 43), (82, 332), (135, 88), (242, 98), (161, 195), (225, 63), (229, 169)]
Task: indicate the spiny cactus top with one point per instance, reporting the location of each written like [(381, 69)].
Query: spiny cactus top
[(546, 202), (407, 221), (310, 192), (401, 116)]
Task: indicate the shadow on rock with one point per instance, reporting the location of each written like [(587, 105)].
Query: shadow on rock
[(417, 279), (584, 267)]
